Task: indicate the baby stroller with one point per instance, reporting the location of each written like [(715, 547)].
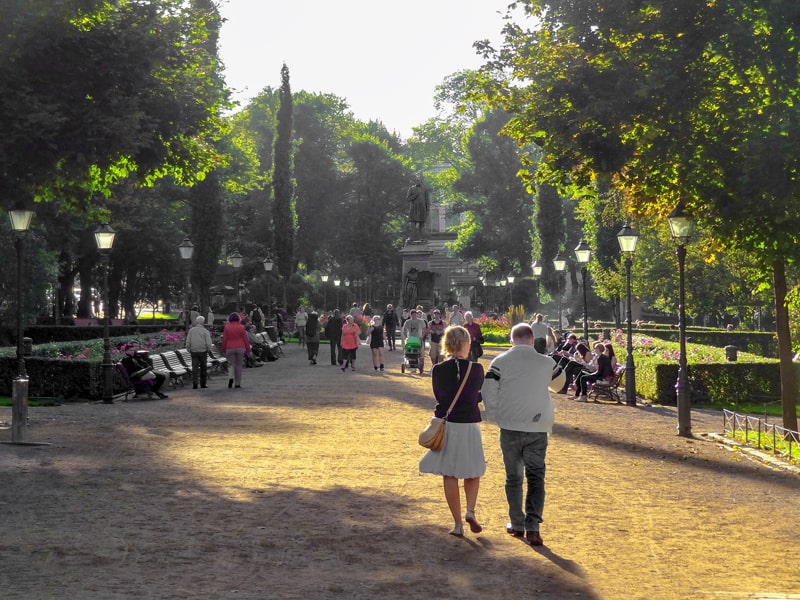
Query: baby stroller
[(411, 355)]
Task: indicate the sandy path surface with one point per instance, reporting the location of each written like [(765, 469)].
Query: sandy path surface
[(304, 484)]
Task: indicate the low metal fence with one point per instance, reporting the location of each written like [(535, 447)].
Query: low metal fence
[(759, 433)]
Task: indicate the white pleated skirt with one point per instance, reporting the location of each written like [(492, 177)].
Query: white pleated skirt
[(462, 456)]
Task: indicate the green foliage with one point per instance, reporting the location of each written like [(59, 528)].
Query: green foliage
[(283, 215)]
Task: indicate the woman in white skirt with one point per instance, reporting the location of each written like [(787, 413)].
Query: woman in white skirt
[(462, 456)]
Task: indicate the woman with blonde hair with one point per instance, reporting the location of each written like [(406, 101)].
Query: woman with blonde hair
[(462, 456), (375, 337)]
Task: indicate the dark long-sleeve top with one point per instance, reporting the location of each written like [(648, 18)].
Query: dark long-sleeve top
[(604, 368), (445, 385)]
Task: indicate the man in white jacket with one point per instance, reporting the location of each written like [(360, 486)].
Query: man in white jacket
[(517, 398)]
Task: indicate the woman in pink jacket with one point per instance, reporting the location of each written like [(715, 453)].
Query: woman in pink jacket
[(351, 333), (235, 346)]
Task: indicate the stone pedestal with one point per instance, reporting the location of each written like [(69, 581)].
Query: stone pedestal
[(418, 279)]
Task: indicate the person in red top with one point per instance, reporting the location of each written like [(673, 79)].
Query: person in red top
[(351, 338), (235, 346), (476, 337)]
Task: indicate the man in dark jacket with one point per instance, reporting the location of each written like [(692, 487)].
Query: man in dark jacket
[(333, 331), (390, 323)]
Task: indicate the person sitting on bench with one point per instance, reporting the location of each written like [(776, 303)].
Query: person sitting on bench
[(140, 368)]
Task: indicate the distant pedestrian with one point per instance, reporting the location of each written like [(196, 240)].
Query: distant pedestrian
[(375, 337), (351, 338), (311, 333), (235, 346), (198, 343), (333, 331)]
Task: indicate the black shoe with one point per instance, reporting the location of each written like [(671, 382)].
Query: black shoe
[(204, 386), (161, 395), (194, 386), (515, 532), (230, 383), (534, 539)]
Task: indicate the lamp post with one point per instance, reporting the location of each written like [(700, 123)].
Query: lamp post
[(268, 264), (537, 273), (627, 238), (104, 238), (236, 261), (186, 249), (560, 265), (336, 283), (324, 277), (583, 253), (682, 227), (511, 277), (20, 222)]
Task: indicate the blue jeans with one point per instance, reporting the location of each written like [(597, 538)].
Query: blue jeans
[(524, 452)]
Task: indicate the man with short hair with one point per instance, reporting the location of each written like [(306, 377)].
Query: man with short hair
[(416, 327), (333, 331), (436, 331), (540, 332), (198, 343), (390, 323), (456, 318), (516, 395)]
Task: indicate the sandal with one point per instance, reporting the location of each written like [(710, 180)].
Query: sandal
[(474, 526), (458, 530)]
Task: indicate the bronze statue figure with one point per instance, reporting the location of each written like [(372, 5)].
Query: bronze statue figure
[(420, 204)]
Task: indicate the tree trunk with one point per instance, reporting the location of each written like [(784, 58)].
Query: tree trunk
[(788, 380)]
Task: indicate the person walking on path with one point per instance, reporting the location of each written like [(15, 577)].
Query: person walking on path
[(351, 338), (436, 331), (456, 318), (540, 333), (300, 321), (517, 398), (462, 456), (311, 333), (416, 327), (333, 331), (235, 346), (198, 343), (375, 337), (390, 323), (476, 349)]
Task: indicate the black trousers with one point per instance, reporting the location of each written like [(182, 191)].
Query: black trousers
[(199, 368), (336, 352)]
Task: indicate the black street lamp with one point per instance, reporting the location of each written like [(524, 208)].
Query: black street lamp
[(336, 283), (537, 273), (682, 227), (511, 277), (104, 238), (20, 222), (268, 264), (627, 238), (583, 253), (324, 277), (236, 261), (560, 266), (186, 248)]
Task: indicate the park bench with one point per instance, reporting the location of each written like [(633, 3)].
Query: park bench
[(608, 388), (175, 376), (186, 360), (275, 348), (220, 362)]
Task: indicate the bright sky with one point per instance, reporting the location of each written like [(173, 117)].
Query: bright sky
[(384, 58)]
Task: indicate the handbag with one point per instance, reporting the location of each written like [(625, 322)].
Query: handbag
[(434, 435)]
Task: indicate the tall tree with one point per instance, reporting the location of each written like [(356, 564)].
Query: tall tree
[(693, 100), (283, 219), (497, 204)]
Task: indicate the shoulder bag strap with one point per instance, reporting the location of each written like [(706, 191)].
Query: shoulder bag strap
[(460, 389)]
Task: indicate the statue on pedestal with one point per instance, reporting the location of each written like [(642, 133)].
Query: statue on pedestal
[(419, 208)]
